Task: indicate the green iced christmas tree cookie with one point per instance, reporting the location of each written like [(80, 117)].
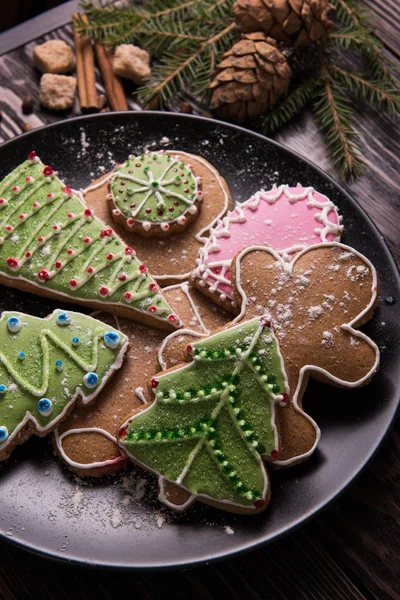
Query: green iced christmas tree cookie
[(45, 364), (51, 243), (212, 421)]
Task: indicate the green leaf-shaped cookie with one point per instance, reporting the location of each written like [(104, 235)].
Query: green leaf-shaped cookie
[(45, 364), (213, 418)]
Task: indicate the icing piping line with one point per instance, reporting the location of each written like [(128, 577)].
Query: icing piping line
[(184, 287), (95, 465), (78, 392), (348, 327)]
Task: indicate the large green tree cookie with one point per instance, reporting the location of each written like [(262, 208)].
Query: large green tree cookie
[(52, 243), (155, 193), (212, 421), (45, 364)]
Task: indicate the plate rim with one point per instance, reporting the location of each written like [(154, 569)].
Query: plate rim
[(247, 546)]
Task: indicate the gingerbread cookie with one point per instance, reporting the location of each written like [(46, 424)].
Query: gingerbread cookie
[(212, 421), (86, 440), (155, 194), (170, 259), (287, 219), (51, 244), (315, 303), (46, 365)]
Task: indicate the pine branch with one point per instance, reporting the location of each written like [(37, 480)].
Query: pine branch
[(349, 13), (176, 71), (286, 110), (335, 117), (377, 93)]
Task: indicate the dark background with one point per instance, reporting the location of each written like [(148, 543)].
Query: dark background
[(22, 10)]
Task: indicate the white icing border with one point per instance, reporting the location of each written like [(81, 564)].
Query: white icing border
[(58, 439), (200, 236), (309, 369), (78, 392), (262, 463), (203, 270)]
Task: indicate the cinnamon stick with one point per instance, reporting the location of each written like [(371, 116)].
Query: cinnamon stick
[(85, 72), (114, 90)]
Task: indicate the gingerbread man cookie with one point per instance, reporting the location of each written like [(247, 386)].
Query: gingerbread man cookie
[(52, 245), (86, 440), (287, 219), (46, 365), (316, 302), (171, 257)]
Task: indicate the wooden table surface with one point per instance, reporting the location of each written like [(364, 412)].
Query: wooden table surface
[(352, 550)]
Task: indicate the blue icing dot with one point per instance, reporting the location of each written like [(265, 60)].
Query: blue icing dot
[(14, 324), (63, 319), (90, 380), (59, 365), (21, 355), (45, 407), (3, 389), (111, 339), (3, 433), (76, 341)]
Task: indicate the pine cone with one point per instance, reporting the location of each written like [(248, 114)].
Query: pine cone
[(295, 22), (252, 76)]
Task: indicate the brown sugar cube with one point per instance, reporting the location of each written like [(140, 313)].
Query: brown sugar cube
[(132, 63), (54, 56), (57, 91)]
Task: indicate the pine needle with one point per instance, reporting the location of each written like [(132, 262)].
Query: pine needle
[(289, 107)]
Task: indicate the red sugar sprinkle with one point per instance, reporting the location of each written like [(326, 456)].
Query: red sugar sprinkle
[(68, 191), (41, 239), (88, 212), (131, 221), (70, 215), (28, 254), (123, 432), (106, 233), (15, 188), (127, 296), (48, 171), (259, 503), (103, 291), (12, 263), (153, 287), (36, 205), (122, 277), (21, 217), (70, 251), (73, 283), (285, 398), (58, 264), (152, 309), (172, 318), (50, 195), (86, 240), (143, 269), (32, 155), (110, 256), (129, 250), (90, 270), (9, 227), (2, 200), (56, 227), (154, 383), (43, 275), (189, 349), (275, 454)]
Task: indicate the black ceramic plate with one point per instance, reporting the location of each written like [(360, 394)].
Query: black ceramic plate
[(118, 521)]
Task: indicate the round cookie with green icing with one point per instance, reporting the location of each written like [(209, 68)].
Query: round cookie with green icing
[(212, 423), (46, 365), (155, 194)]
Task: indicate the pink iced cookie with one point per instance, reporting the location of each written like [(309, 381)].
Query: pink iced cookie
[(287, 219)]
